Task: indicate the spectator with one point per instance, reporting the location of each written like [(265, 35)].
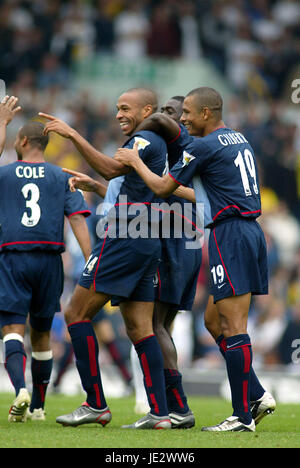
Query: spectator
[(131, 28)]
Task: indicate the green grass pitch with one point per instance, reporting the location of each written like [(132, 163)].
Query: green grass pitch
[(280, 430)]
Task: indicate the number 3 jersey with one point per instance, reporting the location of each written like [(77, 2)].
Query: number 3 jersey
[(225, 161), (35, 198)]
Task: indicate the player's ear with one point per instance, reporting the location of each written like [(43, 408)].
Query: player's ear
[(206, 112), (148, 110), (24, 141)]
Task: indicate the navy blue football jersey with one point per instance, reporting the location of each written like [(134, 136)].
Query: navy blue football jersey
[(130, 189), (225, 161), (35, 198), (175, 151), (176, 146)]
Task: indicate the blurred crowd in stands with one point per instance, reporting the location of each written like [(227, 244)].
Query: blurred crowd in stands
[(254, 44)]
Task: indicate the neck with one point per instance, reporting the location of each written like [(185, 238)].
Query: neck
[(33, 156), (211, 127)]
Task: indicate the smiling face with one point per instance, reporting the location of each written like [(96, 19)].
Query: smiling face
[(132, 110), (193, 119)]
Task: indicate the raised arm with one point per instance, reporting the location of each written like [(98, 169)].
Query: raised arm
[(108, 167), (161, 124), (161, 186), (8, 110)]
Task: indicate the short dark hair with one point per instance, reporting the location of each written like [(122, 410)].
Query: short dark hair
[(147, 96), (34, 132), (178, 98), (208, 97)]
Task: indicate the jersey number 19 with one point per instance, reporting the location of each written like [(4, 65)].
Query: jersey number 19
[(242, 163)]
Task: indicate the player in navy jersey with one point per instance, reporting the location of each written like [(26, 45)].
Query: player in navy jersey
[(237, 250), (177, 275), (262, 402), (120, 267), (178, 272), (34, 202)]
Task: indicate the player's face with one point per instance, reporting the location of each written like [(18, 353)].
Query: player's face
[(173, 109), (191, 118), (130, 112)]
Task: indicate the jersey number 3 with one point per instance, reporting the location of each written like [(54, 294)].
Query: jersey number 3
[(31, 194)]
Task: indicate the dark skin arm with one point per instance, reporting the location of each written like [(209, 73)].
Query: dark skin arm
[(8, 110), (108, 167), (161, 124), (81, 232), (85, 183)]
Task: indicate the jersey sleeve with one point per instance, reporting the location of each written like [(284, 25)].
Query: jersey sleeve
[(75, 203), (145, 141), (191, 162)]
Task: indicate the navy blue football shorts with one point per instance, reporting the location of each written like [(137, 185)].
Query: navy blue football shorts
[(123, 269), (31, 283), (238, 259), (177, 274)]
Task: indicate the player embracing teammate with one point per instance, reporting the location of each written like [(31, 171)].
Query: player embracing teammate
[(223, 162)]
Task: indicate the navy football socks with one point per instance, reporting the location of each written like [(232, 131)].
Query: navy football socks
[(15, 361), (238, 357), (256, 389), (41, 368), (86, 353), (176, 399), (151, 360)]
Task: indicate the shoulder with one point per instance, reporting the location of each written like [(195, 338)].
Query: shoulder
[(197, 144), (147, 139), (57, 171)]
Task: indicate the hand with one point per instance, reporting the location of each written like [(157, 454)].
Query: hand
[(80, 181), (128, 156), (8, 109), (56, 125)]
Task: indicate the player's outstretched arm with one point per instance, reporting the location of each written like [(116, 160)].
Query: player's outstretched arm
[(101, 163), (161, 186), (161, 124), (85, 183), (81, 232), (8, 110)]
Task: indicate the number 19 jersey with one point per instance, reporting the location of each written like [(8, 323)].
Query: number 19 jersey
[(225, 161), (35, 197)]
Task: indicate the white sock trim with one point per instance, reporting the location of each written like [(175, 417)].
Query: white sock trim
[(13, 336), (42, 355)]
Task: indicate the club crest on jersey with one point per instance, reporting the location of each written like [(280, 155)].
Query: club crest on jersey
[(142, 143), (187, 158)]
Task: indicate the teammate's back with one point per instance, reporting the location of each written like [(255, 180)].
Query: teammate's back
[(226, 163), (35, 198)]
